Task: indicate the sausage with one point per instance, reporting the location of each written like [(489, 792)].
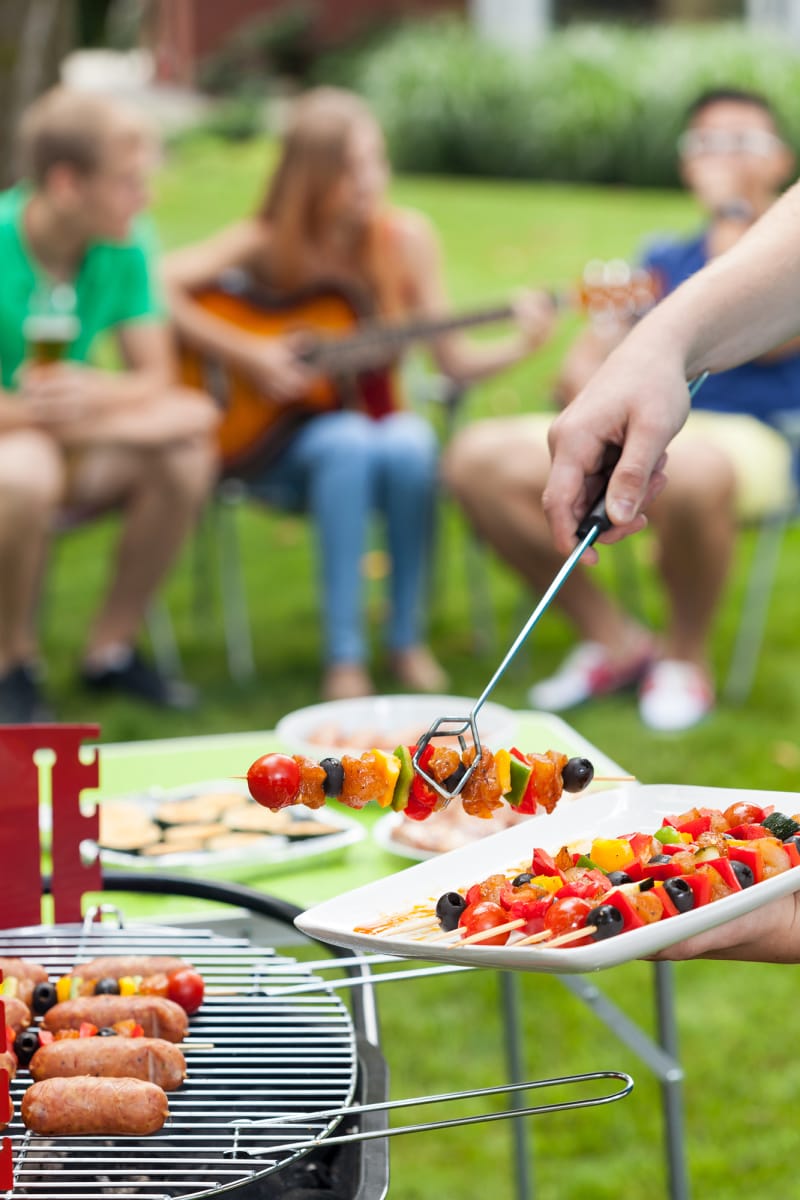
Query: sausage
[(20, 968), (158, 1017), (27, 975), (8, 1062), (83, 1105), (152, 1059), (115, 966), (18, 1015)]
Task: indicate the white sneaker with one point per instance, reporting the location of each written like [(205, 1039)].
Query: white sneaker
[(675, 695), (586, 672)]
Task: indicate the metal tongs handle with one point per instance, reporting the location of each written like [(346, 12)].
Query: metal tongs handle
[(245, 1126)]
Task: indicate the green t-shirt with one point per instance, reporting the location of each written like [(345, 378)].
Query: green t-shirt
[(115, 284)]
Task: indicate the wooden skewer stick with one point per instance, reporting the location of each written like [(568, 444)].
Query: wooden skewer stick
[(443, 934), (474, 938), (574, 935), (613, 779), (197, 1045), (534, 938)]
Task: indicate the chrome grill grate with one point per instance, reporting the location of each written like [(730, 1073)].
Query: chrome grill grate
[(271, 1055)]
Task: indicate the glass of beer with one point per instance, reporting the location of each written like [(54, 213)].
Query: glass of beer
[(51, 325)]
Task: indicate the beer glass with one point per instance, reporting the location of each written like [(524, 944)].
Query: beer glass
[(51, 325)]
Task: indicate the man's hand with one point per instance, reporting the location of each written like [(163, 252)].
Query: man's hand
[(63, 394), (769, 934), (638, 400), (535, 315)]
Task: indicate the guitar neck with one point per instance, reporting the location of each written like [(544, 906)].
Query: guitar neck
[(381, 342)]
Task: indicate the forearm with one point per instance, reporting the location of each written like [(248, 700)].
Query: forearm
[(466, 361), (209, 334), (742, 305)]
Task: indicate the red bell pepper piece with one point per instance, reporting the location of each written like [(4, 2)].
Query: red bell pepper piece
[(45, 1037), (793, 852), (666, 902), (87, 1029), (695, 826), (422, 799), (630, 917), (753, 859), (671, 848), (590, 883), (701, 886), (542, 863), (749, 833), (661, 870), (726, 872), (642, 846)]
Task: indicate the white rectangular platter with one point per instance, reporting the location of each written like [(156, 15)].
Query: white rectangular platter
[(628, 809)]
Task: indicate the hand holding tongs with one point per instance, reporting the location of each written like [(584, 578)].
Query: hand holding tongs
[(593, 524)]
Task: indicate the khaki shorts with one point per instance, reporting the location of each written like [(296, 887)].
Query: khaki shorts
[(760, 456)]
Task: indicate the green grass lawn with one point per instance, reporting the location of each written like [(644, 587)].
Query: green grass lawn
[(742, 1079)]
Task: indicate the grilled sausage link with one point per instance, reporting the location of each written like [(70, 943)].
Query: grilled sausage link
[(27, 974), (114, 966), (159, 1018), (152, 1059), (86, 1106), (18, 1015), (8, 1062), (21, 968)]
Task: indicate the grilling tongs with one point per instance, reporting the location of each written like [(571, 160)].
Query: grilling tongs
[(593, 524)]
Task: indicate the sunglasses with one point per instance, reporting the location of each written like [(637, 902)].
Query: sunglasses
[(759, 143)]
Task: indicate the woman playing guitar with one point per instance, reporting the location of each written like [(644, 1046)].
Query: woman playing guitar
[(338, 445)]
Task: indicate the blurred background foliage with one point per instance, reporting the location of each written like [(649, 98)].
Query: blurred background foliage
[(597, 103)]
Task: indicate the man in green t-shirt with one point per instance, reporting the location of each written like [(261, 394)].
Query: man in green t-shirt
[(76, 438)]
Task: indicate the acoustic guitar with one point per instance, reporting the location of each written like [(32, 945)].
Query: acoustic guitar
[(351, 354)]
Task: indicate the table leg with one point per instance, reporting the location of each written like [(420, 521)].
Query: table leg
[(515, 1069)]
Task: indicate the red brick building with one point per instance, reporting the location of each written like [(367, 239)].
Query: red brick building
[(188, 31)]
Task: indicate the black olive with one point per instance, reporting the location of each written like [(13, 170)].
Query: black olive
[(334, 777), (449, 908), (578, 773), (794, 838), (106, 1031), (607, 921), (26, 1043), (646, 884), (743, 873), (619, 877), (680, 893), (44, 997), (660, 858), (106, 987), (451, 783), (525, 877)]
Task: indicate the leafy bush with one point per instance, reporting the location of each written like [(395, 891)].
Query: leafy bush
[(593, 103)]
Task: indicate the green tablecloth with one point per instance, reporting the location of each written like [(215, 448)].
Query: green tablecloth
[(128, 768)]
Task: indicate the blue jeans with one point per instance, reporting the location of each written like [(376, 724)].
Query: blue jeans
[(339, 468)]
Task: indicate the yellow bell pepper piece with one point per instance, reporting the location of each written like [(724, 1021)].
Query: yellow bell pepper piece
[(390, 769), (551, 883), (502, 766), (129, 985), (64, 988), (9, 986), (611, 854)]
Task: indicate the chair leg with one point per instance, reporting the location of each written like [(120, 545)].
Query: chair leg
[(754, 609), (235, 612), (161, 632)]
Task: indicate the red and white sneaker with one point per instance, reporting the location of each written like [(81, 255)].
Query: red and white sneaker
[(675, 695), (586, 672)]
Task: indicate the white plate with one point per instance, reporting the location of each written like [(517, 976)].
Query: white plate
[(387, 832), (270, 851), (384, 722), (609, 813)]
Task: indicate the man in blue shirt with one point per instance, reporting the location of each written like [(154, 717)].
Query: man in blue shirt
[(727, 464)]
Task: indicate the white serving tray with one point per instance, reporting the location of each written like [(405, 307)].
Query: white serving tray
[(633, 807)]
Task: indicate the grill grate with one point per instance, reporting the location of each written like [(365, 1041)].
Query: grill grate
[(271, 1055)]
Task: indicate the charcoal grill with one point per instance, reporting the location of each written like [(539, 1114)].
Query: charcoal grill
[(287, 1100)]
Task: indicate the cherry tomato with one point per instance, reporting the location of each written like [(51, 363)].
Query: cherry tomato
[(274, 780), (478, 917), (186, 988), (743, 813), (565, 915)]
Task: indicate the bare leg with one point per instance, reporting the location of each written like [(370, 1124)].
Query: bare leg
[(31, 486), (695, 522), (497, 471), (162, 490)]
